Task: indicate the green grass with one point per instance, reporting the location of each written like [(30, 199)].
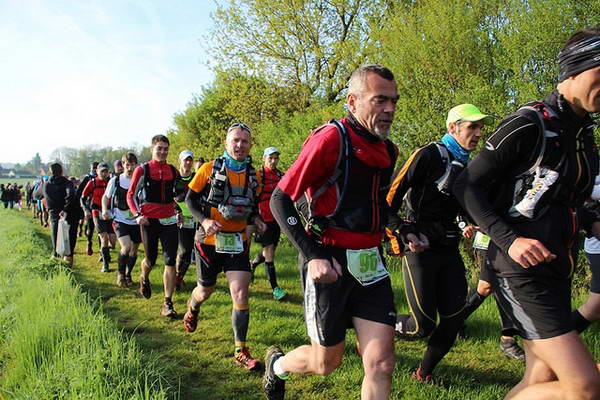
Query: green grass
[(201, 363), (54, 342)]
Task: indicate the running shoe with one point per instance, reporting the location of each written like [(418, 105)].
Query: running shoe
[(418, 376), (511, 349), (190, 319), (104, 268), (121, 280), (243, 359), (167, 310), (273, 385), (279, 293), (145, 289)]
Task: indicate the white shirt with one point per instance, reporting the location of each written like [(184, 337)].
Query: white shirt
[(124, 217)]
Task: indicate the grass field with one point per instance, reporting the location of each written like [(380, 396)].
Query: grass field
[(201, 366)]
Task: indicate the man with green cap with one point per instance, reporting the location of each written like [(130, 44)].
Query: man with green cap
[(434, 272)]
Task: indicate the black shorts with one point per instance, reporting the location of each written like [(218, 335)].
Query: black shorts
[(270, 236), (539, 307), (104, 225), (329, 308), (133, 231), (209, 263), (167, 234)]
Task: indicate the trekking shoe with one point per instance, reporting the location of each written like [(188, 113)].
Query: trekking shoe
[(179, 283), (145, 289), (90, 251), (418, 376), (121, 280), (273, 385), (167, 310), (128, 281), (190, 319), (511, 349), (279, 293), (243, 358)]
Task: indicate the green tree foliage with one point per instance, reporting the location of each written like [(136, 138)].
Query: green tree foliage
[(76, 162), (232, 97), (311, 44)]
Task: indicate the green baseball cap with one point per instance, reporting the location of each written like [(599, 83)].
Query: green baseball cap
[(468, 112)]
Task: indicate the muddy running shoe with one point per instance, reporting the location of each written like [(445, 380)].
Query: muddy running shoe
[(167, 310), (511, 349), (190, 319), (273, 385), (121, 280), (243, 359), (145, 289), (279, 293), (128, 281), (418, 376), (179, 282)]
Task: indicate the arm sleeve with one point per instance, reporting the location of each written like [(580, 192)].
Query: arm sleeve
[(288, 219), (510, 145), (136, 180)]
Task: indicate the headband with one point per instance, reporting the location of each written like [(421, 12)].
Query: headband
[(579, 57)]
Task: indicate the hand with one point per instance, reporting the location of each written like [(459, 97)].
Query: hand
[(87, 214), (141, 220), (261, 227), (62, 215), (529, 252), (321, 270), (211, 226), (105, 214), (596, 229), (417, 244), (469, 231)]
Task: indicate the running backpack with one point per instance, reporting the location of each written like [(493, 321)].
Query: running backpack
[(233, 202)]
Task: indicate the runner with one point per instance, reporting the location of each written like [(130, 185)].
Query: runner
[(345, 280), (151, 200), (89, 224), (522, 189), (61, 198), (434, 278), (187, 228), (94, 189), (115, 200), (270, 177), (117, 168), (222, 197)]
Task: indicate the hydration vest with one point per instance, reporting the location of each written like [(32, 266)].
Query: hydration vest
[(96, 185), (233, 202), (120, 196), (361, 204), (159, 191)]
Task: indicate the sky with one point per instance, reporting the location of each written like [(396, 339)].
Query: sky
[(105, 72)]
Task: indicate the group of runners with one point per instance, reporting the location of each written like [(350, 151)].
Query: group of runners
[(341, 203)]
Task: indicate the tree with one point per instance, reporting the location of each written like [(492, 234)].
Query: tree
[(313, 45), (36, 163)]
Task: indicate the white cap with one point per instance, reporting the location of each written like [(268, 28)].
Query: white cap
[(270, 150), (185, 154)]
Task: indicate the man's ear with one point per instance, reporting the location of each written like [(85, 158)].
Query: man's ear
[(351, 100)]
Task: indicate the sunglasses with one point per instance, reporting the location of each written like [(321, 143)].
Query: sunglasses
[(239, 125)]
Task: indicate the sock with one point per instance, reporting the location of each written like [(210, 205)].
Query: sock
[(239, 321), (259, 259), (131, 264), (580, 324), (123, 259), (474, 300), (271, 274), (105, 256), (278, 370)]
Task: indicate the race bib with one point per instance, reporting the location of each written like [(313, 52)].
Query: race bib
[(366, 266), (229, 243), (481, 241), (168, 221), (188, 222)]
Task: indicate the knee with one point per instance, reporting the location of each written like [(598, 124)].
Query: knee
[(380, 365), (240, 297), (327, 366)]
